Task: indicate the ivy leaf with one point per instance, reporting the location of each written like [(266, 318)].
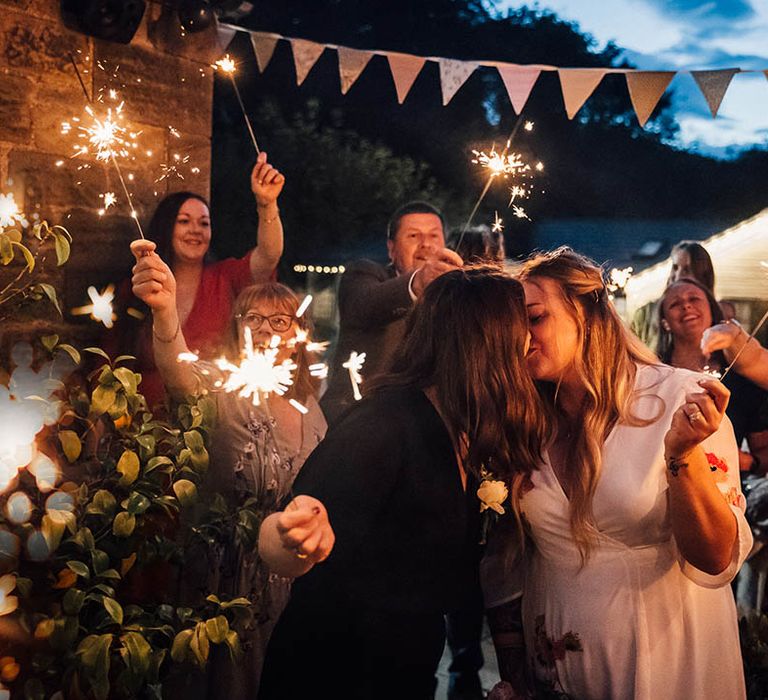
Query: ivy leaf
[(52, 529), (137, 503), (180, 647), (100, 560), (49, 341), (217, 628), (185, 491), (138, 654), (79, 568), (73, 601), (155, 462), (103, 503), (62, 247), (28, 258), (50, 292), (127, 379), (114, 609), (123, 524), (97, 351), (70, 443), (71, 351), (102, 399), (128, 467)]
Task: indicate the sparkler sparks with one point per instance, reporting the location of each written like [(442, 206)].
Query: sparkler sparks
[(105, 134), (517, 192), (10, 214), (618, 278), (500, 163), (519, 212), (257, 376), (225, 65), (354, 364), (100, 307), (498, 224)]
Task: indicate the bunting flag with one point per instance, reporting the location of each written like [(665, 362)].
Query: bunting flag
[(645, 87), (713, 85), (453, 74), (577, 85), (645, 91), (519, 81), (405, 69), (305, 55), (352, 62), (263, 47), (224, 36)]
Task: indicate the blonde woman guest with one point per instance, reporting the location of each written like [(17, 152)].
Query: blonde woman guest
[(256, 451), (635, 516)]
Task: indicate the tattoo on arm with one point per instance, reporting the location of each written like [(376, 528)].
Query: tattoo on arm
[(675, 464)]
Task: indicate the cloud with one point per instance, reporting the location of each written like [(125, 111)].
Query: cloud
[(707, 9)]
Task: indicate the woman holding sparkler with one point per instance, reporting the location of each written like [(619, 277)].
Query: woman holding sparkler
[(687, 313), (634, 519), (205, 290), (397, 477), (256, 450)]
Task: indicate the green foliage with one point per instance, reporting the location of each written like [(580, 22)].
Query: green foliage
[(14, 252), (132, 481)]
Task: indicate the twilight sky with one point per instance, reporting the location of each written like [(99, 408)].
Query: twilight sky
[(690, 34)]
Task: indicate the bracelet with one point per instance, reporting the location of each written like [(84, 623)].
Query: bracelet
[(274, 218), (675, 464), (167, 340)]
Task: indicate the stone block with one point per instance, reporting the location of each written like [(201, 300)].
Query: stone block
[(16, 104), (38, 47)]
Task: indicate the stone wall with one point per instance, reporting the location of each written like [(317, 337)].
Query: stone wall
[(165, 79)]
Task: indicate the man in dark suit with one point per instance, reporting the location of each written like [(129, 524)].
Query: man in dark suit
[(374, 299)]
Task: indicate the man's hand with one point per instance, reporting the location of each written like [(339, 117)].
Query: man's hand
[(266, 182), (443, 261)]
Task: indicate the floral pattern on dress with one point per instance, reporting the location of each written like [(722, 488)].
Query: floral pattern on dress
[(547, 651)]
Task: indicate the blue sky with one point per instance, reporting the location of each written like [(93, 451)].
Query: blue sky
[(690, 34)]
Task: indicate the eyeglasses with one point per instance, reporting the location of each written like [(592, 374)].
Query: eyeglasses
[(278, 322)]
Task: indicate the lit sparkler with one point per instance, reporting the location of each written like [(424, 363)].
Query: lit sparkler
[(501, 163), (519, 212), (100, 307), (354, 364), (227, 66), (618, 278), (528, 126), (258, 375), (517, 192), (10, 214), (498, 224)]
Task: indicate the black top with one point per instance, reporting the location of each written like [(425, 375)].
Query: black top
[(406, 532), (747, 407)]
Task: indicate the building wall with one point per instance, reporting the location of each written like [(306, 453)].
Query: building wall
[(165, 79)]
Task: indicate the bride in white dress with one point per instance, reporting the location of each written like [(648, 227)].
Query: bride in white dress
[(634, 519)]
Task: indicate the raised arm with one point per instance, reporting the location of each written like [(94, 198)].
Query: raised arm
[(703, 524), (154, 283), (266, 184), (731, 338)]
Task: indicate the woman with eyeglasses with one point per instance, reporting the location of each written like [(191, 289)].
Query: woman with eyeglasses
[(256, 451)]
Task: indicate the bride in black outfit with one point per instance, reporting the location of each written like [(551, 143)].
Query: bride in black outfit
[(389, 498)]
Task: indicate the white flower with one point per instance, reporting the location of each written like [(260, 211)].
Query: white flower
[(492, 494)]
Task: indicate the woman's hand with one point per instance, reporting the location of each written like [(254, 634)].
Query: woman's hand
[(266, 182), (698, 418), (304, 529), (719, 337), (153, 281)]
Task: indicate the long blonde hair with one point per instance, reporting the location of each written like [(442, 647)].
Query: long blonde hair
[(606, 365)]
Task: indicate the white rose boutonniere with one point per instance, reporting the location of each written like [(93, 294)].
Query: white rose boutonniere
[(492, 494)]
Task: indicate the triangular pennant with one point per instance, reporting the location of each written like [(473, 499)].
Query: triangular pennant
[(305, 55), (645, 90), (453, 74), (577, 85), (519, 81), (224, 36), (405, 69), (713, 85), (352, 62), (263, 47)]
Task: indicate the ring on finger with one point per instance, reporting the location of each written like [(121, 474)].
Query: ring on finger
[(299, 554), (695, 416)]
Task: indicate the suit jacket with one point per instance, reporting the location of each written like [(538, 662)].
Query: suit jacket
[(373, 305)]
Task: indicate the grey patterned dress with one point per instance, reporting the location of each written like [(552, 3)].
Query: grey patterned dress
[(251, 459)]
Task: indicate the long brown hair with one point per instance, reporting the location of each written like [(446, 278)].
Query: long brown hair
[(665, 345), (606, 366), (281, 297), (466, 337)]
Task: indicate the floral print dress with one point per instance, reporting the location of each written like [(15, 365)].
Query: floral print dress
[(252, 462), (636, 620)]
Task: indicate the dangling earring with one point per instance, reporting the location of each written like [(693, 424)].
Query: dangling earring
[(665, 324)]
